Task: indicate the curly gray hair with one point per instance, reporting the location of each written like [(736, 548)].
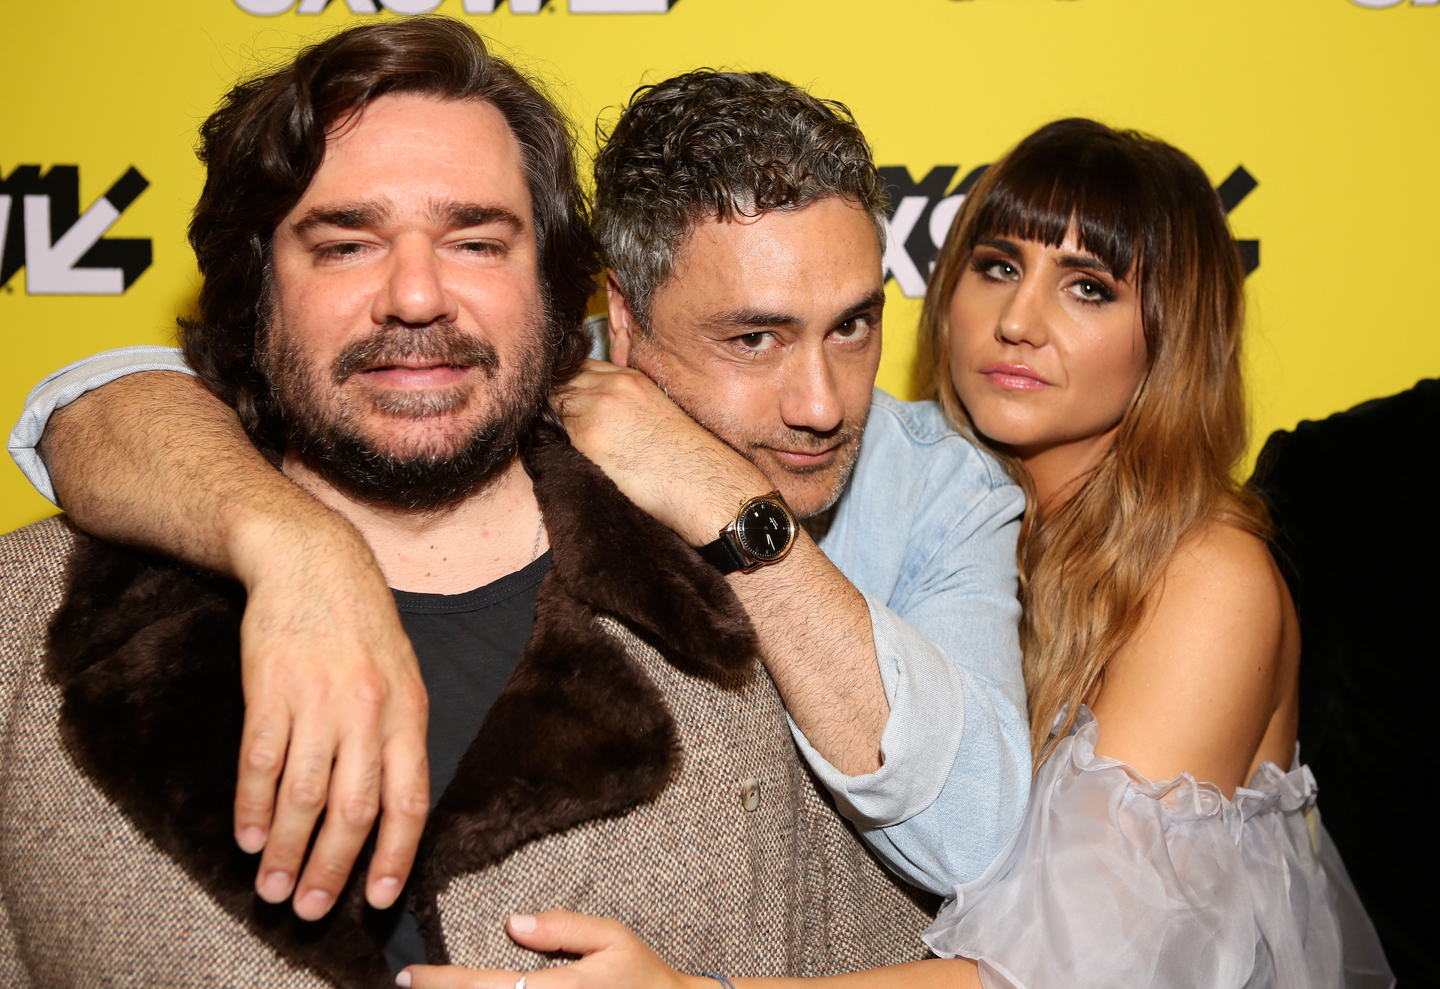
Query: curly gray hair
[(710, 144)]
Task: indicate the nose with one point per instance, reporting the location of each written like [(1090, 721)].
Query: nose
[(1021, 319), (415, 290), (810, 398)]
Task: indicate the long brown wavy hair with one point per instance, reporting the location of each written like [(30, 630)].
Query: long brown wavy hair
[(1088, 567)]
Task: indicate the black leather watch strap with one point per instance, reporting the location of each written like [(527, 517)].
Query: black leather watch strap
[(721, 555)]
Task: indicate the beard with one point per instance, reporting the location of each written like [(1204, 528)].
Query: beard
[(834, 476), (326, 423)]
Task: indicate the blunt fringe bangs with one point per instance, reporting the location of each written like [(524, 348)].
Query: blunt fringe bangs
[(1089, 565), (1090, 184), (263, 145)]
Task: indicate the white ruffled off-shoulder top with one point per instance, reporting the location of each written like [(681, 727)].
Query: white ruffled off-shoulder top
[(1115, 881)]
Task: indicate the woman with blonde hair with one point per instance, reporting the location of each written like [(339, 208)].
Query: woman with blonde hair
[(1083, 322)]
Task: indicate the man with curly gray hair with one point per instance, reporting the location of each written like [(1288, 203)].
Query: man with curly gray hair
[(742, 222)]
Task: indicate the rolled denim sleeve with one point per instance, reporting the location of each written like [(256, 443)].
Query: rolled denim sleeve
[(69, 383), (922, 736), (928, 531)]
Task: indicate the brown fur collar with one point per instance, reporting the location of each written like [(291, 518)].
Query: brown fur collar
[(146, 652)]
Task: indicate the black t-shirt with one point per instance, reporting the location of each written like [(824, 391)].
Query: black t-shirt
[(467, 645)]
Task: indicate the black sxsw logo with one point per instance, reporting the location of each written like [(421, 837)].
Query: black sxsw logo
[(918, 216), (63, 251)]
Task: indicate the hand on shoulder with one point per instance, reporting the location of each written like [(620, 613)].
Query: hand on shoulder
[(1207, 684)]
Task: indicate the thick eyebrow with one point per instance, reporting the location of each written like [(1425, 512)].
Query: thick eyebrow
[(870, 304), (732, 318), (367, 215), (459, 216), (351, 216), (1011, 249), (1084, 261), (1006, 247), (743, 318)]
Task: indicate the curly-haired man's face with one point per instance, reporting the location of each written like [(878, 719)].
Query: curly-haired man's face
[(768, 334), (406, 341)]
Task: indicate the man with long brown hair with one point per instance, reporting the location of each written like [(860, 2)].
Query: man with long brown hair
[(396, 263)]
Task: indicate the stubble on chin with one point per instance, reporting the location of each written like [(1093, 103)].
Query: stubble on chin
[(823, 484)]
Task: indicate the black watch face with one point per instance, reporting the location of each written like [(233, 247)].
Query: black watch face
[(764, 530)]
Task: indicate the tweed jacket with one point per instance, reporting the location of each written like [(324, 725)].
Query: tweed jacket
[(616, 774)]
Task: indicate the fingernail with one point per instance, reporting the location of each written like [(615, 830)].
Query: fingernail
[(384, 892), (251, 839), (522, 923), (314, 903), (403, 980), (275, 887)]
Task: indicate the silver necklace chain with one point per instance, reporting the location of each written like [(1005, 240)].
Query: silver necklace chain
[(539, 532)]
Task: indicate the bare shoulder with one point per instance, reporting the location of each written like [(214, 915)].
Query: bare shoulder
[(1196, 687), (1226, 574), (1219, 611)]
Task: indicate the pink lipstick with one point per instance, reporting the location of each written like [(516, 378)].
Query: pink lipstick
[(1016, 377)]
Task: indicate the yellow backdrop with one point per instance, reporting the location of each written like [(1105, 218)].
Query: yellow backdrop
[(1330, 105)]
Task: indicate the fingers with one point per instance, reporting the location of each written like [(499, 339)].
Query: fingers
[(263, 742), (302, 795), (561, 930), (405, 802), (335, 721), (350, 811), (453, 977), (613, 957)]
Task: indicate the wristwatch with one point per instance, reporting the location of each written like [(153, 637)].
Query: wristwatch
[(761, 533)]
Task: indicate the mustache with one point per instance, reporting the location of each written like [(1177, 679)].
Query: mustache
[(440, 342), (811, 441)]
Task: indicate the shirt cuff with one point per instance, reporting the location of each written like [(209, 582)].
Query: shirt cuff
[(69, 383), (921, 738)]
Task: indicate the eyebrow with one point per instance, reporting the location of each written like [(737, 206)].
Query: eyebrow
[(731, 318), (351, 216), (366, 215), (461, 215), (746, 317), (1084, 261), (1011, 249), (871, 303)]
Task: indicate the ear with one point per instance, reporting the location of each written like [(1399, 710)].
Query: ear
[(622, 322)]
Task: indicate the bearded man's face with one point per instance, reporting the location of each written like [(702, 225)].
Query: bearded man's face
[(407, 335)]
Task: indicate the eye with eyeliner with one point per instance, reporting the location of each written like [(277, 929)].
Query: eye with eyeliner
[(1092, 291), (985, 266)]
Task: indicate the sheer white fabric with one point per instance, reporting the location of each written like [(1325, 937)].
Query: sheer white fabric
[(1117, 881)]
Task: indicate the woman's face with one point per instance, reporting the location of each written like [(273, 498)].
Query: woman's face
[(1046, 345)]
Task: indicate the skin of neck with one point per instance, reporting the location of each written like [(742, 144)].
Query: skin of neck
[(1059, 470), (448, 550)]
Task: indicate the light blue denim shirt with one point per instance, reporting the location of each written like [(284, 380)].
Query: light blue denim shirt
[(926, 529)]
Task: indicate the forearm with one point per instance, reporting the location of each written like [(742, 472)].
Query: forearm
[(154, 460), (818, 646), (813, 625)]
